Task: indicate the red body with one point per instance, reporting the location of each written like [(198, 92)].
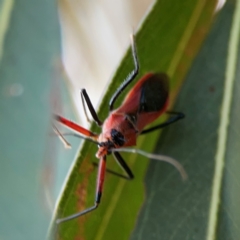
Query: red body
[(147, 100)]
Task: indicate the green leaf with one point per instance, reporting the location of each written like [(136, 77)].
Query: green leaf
[(167, 41), (207, 143)]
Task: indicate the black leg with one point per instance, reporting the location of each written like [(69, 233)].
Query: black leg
[(129, 78), (129, 175), (86, 98), (177, 116), (76, 215), (99, 188), (123, 165)]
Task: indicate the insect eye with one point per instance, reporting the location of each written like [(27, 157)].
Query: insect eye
[(117, 137)]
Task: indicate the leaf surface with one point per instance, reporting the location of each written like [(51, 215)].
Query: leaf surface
[(167, 41)]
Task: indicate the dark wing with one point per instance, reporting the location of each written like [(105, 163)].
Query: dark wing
[(154, 93), (146, 101), (150, 94)]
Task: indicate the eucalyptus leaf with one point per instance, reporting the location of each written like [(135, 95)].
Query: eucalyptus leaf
[(167, 41), (207, 205)]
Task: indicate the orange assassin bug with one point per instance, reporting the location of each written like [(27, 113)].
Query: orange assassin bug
[(145, 102)]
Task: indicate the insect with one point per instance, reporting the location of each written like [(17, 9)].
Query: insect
[(145, 102)]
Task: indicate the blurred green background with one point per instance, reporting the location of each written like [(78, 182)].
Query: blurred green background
[(30, 50)]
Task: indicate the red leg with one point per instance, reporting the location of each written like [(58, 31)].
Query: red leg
[(99, 188), (100, 178), (76, 127)]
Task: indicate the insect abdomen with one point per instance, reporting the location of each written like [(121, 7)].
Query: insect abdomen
[(154, 93)]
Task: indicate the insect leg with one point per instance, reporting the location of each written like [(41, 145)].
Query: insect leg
[(86, 98), (118, 158), (61, 137), (177, 116), (129, 78), (73, 126), (123, 165), (99, 188), (76, 135)]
